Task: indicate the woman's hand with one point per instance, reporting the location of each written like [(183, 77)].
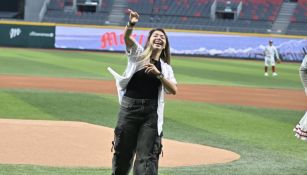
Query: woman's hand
[(133, 19), (151, 68), (168, 85), (133, 16)]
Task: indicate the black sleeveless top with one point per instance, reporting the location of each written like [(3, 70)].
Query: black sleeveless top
[(143, 85)]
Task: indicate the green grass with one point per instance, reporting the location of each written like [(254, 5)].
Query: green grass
[(58, 63), (263, 137), (53, 106), (234, 73), (42, 170), (92, 65)]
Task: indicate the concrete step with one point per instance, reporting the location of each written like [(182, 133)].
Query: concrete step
[(117, 13), (283, 19)]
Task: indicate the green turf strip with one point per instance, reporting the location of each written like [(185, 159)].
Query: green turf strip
[(234, 72), (14, 107), (92, 65), (263, 137)]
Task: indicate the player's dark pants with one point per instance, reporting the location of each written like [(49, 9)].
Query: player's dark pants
[(136, 134)]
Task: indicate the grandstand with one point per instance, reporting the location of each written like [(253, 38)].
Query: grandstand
[(14, 9), (299, 19), (250, 16)]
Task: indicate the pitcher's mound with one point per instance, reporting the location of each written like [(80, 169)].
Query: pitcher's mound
[(78, 144)]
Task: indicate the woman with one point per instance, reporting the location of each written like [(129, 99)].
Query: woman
[(139, 127), (301, 128)]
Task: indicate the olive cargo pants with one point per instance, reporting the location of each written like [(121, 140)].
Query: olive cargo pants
[(136, 134)]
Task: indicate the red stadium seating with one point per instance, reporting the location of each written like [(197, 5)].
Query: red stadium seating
[(266, 10), (299, 19), (255, 15), (300, 13)]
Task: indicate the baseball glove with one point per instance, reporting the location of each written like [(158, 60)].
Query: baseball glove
[(278, 61)]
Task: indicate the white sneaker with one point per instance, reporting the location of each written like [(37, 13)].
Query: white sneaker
[(274, 74), (266, 74)]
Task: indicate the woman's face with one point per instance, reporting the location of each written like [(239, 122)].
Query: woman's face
[(158, 40)]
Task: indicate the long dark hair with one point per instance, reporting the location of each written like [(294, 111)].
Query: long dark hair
[(165, 54)]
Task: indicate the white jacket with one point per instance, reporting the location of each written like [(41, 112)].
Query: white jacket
[(134, 65)]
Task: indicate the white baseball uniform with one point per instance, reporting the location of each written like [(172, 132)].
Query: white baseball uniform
[(301, 128), (304, 63), (303, 73), (269, 53)]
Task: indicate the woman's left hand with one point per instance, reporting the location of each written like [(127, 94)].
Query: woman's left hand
[(151, 68)]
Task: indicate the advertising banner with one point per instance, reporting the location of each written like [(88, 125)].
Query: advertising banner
[(27, 36), (185, 43)]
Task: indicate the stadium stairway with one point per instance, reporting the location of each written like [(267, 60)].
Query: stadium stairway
[(117, 13), (32, 10), (283, 19)]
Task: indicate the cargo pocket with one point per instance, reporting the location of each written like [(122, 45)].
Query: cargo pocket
[(117, 165), (116, 146), (151, 165), (157, 149), (117, 138)]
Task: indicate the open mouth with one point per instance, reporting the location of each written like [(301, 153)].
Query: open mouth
[(158, 43)]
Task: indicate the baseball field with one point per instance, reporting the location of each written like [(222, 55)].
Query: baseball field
[(221, 103)]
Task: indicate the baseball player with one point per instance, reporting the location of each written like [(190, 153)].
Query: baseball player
[(301, 128), (270, 52)]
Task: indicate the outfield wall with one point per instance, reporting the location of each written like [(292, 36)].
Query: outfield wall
[(20, 35), (183, 42)]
